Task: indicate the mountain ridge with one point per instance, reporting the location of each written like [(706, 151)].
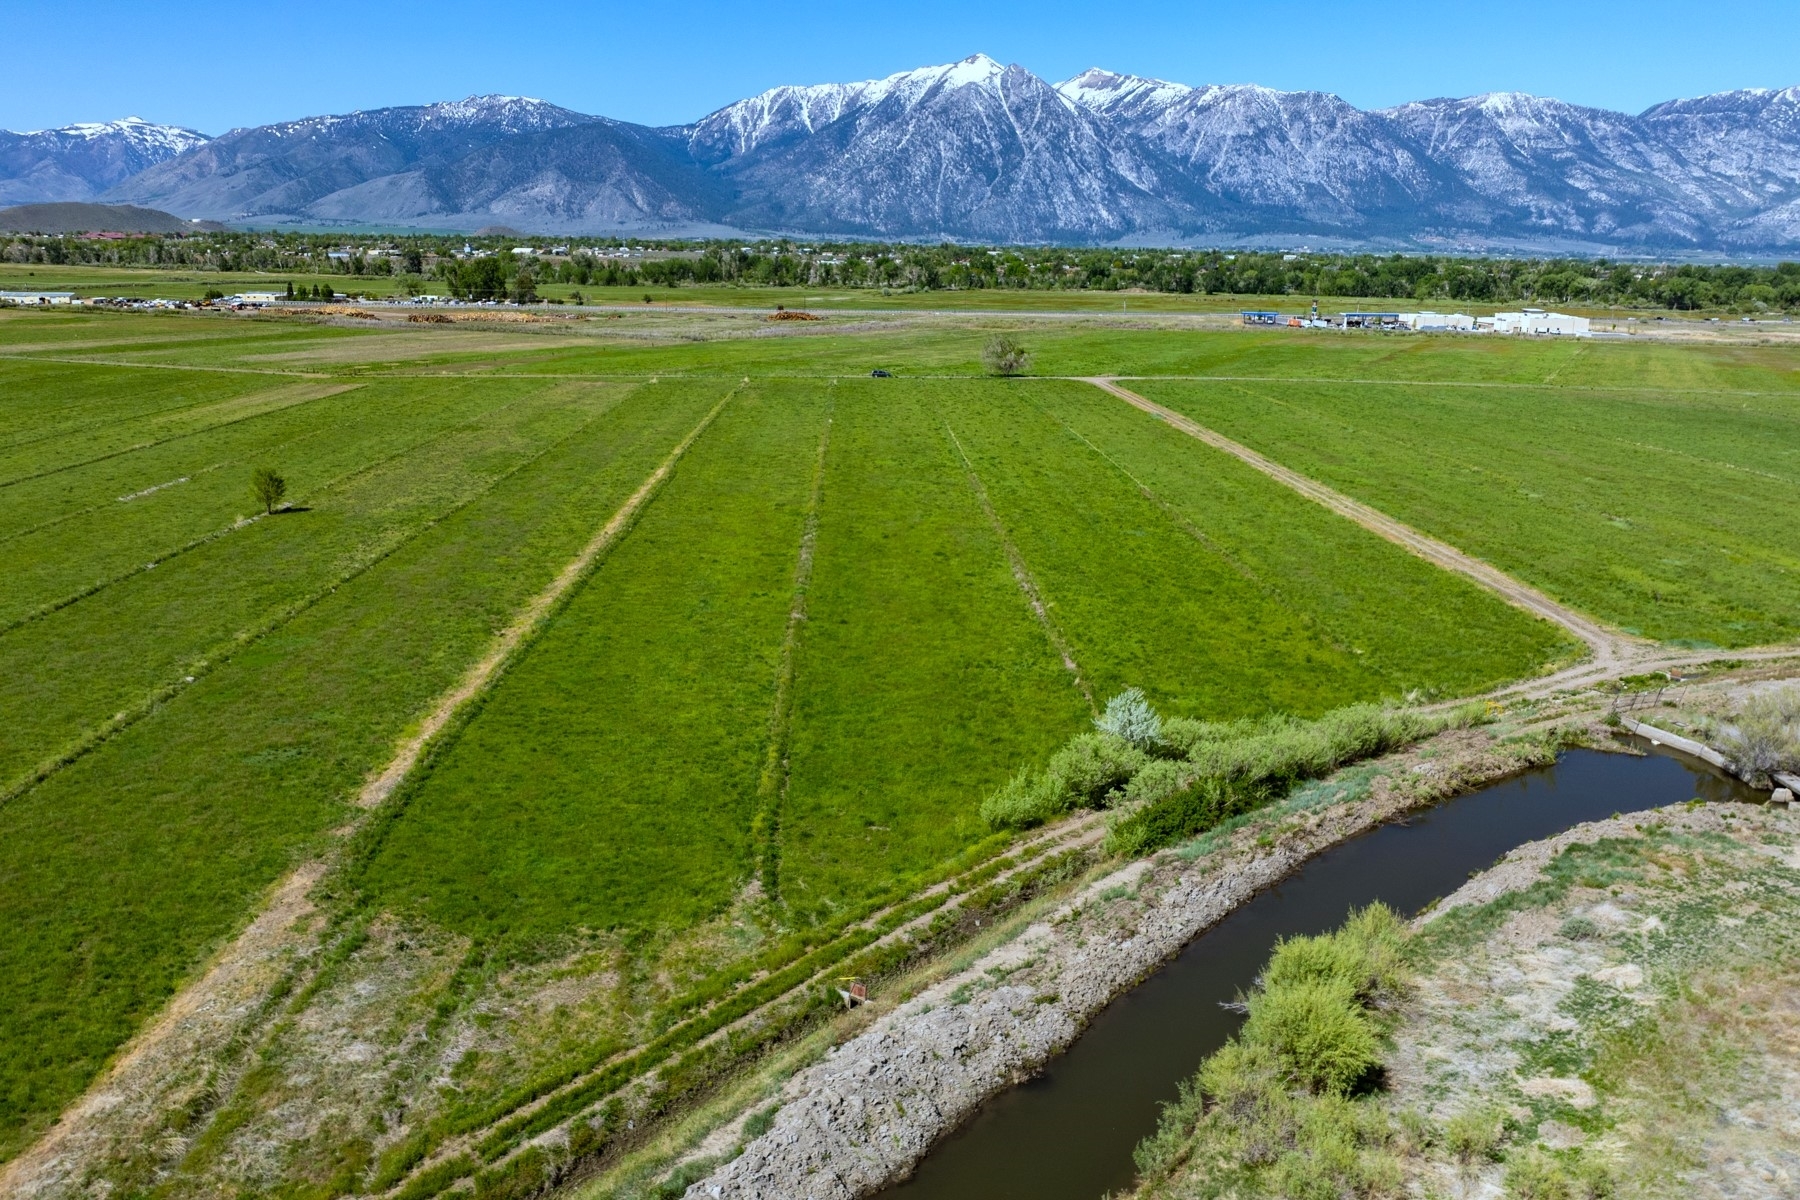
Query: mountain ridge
[(978, 150), (78, 162)]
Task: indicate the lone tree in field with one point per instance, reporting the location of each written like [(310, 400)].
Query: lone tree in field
[(1005, 355), (268, 487)]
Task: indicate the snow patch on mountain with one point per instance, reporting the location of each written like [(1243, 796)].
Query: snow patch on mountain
[(146, 135), (787, 111)]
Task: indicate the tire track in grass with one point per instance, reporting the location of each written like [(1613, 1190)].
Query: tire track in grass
[(1174, 514), (772, 785), (1607, 647), (1021, 573), (236, 985)]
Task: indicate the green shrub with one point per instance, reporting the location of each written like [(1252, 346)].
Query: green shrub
[(1473, 1136), (1023, 801), (1579, 929), (1763, 737), (1535, 1175), (1365, 954), (1199, 806), (1080, 775), (1158, 780), (1338, 1152), (1091, 765), (1318, 1031), (1005, 355)]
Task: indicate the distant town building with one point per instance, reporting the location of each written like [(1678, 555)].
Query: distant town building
[(1436, 321), (37, 298), (1370, 320), (1536, 322)]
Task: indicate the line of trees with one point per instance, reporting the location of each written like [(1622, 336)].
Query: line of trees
[(611, 262)]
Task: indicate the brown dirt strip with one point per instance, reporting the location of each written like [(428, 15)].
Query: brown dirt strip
[(1609, 647), (205, 1014)]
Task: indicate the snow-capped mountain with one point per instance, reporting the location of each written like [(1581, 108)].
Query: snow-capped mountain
[(78, 162), (973, 149), (286, 169), (984, 151), (1300, 160)]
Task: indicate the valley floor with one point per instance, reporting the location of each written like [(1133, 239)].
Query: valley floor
[(603, 701)]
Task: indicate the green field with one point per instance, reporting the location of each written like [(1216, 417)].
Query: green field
[(1665, 510), (779, 697)]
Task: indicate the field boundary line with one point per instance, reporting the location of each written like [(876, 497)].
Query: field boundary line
[(772, 786), (287, 900), (1606, 646), (1021, 572)]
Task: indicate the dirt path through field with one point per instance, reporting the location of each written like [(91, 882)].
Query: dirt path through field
[(1608, 646), (200, 1020)]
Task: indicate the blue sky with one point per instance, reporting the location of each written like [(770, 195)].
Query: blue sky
[(667, 61)]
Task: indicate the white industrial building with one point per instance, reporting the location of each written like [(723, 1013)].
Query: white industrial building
[(36, 298), (1536, 322), (1455, 322)]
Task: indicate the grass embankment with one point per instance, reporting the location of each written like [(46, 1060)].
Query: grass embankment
[(118, 873), (1608, 1026), (1662, 511)]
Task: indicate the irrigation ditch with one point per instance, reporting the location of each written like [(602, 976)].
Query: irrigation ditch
[(1036, 1071)]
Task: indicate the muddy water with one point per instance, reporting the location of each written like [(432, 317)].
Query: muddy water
[(1068, 1134)]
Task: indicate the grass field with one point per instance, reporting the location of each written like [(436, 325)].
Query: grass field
[(117, 873), (1666, 512), (610, 779), (780, 696)]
